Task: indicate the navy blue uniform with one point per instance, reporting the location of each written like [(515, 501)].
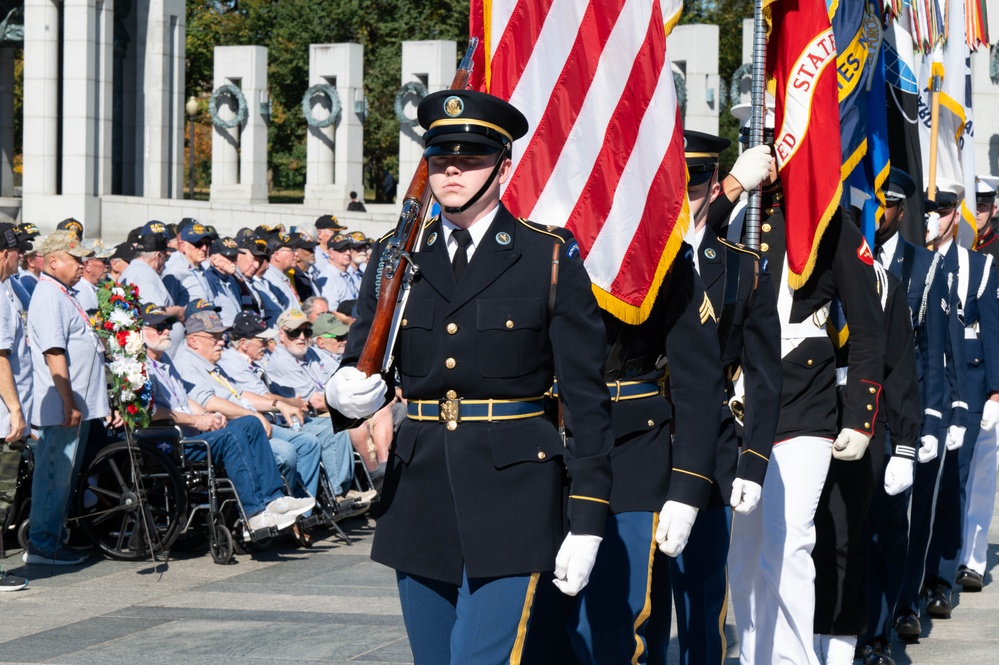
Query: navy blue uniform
[(979, 314), (887, 533)]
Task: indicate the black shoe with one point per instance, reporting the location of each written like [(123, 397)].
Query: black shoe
[(907, 626), (938, 604), (969, 579), (878, 654)]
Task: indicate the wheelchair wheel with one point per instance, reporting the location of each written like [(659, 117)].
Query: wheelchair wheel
[(23, 531), (131, 512), (220, 543)]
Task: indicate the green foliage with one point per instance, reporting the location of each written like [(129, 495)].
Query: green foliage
[(287, 27), (728, 16)]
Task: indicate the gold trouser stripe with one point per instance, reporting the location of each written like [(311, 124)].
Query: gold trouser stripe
[(691, 473), (525, 618), (749, 450), (588, 498), (643, 616), (721, 621)]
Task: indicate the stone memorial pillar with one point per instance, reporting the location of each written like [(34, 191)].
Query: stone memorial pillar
[(694, 50), (431, 64), (335, 153), (239, 153), (6, 122)]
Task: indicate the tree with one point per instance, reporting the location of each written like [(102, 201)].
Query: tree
[(287, 27), (728, 16)]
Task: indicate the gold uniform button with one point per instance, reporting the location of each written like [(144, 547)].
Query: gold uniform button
[(764, 246), (541, 454), (872, 390), (870, 407), (452, 328), (452, 425), (450, 363), (810, 362), (452, 394), (867, 426), (509, 323), (652, 423), (405, 322), (768, 212), (767, 227)]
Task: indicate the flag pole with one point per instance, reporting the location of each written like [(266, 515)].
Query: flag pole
[(756, 120), (935, 85)]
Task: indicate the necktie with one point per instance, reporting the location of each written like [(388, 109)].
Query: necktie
[(460, 261), (879, 254)]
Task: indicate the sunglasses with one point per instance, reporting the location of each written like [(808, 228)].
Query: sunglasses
[(298, 332)]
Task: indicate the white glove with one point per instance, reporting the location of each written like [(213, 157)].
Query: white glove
[(928, 448), (675, 522), (990, 414), (355, 395), (932, 226), (955, 437), (745, 496), (898, 475), (753, 166), (850, 445), (574, 562)]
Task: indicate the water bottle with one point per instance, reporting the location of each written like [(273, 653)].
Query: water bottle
[(296, 424)]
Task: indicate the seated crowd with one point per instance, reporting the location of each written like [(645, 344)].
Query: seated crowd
[(241, 335)]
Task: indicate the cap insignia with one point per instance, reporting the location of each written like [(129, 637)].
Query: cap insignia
[(453, 106)]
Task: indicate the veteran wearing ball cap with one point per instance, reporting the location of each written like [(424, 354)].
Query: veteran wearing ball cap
[(473, 493), (70, 392)]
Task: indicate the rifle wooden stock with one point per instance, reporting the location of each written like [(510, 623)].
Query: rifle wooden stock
[(393, 261)]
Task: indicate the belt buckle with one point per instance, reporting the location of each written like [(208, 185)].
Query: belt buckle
[(450, 412)]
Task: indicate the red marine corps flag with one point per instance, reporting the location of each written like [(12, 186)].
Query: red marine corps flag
[(604, 154), (801, 59)]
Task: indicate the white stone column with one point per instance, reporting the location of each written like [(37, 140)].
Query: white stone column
[(161, 30), (335, 154), (41, 100), (433, 63), (239, 155), (985, 97), (694, 49), (6, 122)]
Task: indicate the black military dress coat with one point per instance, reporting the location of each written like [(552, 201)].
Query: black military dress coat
[(678, 338), (844, 269), (743, 299), (492, 496)]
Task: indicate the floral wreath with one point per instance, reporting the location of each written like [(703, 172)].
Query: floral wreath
[(118, 323)]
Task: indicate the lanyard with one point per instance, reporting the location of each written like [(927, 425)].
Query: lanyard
[(224, 382), (65, 291), (163, 373)]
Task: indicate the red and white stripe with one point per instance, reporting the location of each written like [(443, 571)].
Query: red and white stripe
[(604, 153)]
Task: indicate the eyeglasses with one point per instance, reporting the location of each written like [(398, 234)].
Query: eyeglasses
[(298, 332)]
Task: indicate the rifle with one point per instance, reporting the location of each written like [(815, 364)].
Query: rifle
[(395, 264)]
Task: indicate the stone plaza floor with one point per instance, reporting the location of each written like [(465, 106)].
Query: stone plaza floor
[(330, 604)]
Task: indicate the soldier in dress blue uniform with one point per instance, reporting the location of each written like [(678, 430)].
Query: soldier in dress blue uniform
[(771, 572), (742, 296), (922, 276), (981, 488), (474, 498), (978, 310), (985, 199)]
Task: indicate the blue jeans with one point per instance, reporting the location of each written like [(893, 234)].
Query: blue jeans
[(58, 457), (298, 457), (338, 455), (243, 448)]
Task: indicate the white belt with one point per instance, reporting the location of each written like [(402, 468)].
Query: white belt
[(971, 332)]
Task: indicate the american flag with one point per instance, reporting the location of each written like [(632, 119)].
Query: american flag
[(604, 155)]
